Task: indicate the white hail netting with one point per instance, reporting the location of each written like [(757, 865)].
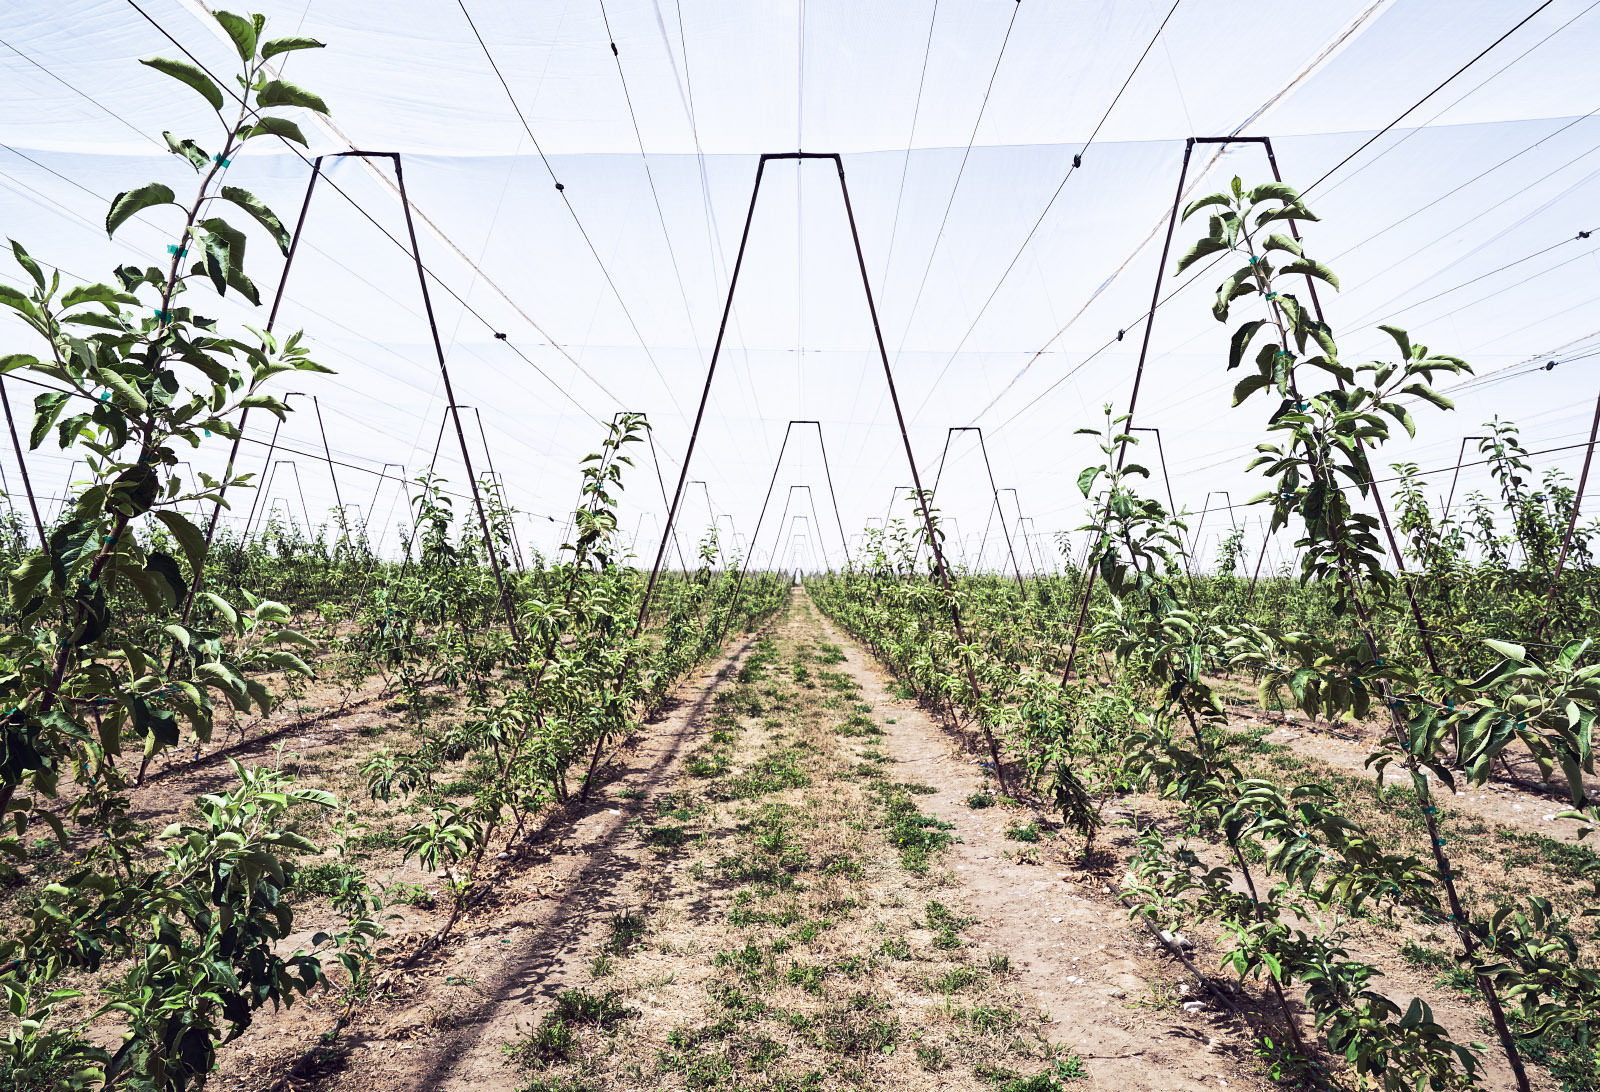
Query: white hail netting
[(1460, 223)]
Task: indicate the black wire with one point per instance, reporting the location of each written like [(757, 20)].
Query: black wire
[(561, 189), (312, 455), (1402, 115), (405, 248), (1077, 161), (82, 94), (1474, 179), (655, 196), (950, 204)]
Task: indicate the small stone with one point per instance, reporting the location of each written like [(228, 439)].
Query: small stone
[(1193, 1007), (1117, 991)]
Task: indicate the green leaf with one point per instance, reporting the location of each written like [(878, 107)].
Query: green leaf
[(192, 542), (1428, 394), (1204, 202), (224, 608), (278, 127), (284, 93), (224, 247), (1207, 244), (27, 263), (1275, 191), (187, 73), (1087, 477), (96, 293), (1312, 268), (241, 30), (12, 361), (1509, 650), (284, 45), (189, 150), (1276, 241), (166, 569), (1401, 338), (1241, 342), (11, 297), (288, 661), (129, 202), (25, 578), (46, 408), (129, 394), (1249, 385), (228, 681), (263, 215)]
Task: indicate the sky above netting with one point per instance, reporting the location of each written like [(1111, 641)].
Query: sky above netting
[(1011, 285)]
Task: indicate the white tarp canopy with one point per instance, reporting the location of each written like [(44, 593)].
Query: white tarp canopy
[(1002, 274)]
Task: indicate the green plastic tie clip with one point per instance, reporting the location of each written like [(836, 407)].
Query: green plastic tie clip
[(219, 160), (164, 316)]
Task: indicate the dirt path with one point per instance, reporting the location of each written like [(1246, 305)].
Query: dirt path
[(505, 961), (766, 895), (1080, 959)]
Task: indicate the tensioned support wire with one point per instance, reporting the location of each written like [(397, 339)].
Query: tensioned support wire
[(883, 355)]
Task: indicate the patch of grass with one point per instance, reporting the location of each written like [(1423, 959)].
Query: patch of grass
[(861, 1025), (930, 1057), (626, 930), (665, 836), (980, 800), (551, 1043), (895, 948), (1024, 832), (376, 839), (1570, 1053), (956, 979), (993, 1018), (713, 764), (770, 774), (603, 1011), (1452, 974), (750, 962), (807, 977), (324, 878), (917, 836), (945, 925), (1056, 1076), (410, 894)]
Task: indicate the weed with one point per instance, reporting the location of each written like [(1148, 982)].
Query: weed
[(626, 930)]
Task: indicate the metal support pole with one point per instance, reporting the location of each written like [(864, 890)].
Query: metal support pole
[(1572, 521), (1138, 378), (1455, 475), (233, 451)]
